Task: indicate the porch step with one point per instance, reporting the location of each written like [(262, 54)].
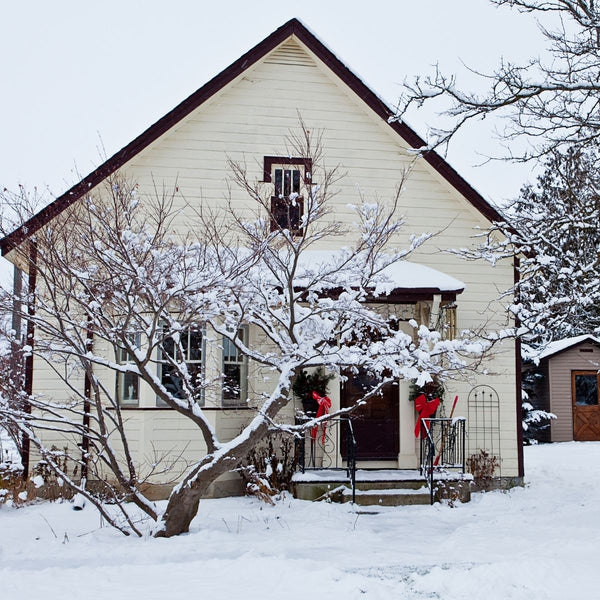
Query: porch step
[(388, 497), (399, 484), (379, 487)]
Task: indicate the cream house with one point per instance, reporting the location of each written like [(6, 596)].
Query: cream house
[(245, 113)]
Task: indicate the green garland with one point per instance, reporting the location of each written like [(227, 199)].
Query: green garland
[(306, 383), (433, 389)]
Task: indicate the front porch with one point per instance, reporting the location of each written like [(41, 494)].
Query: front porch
[(328, 468)]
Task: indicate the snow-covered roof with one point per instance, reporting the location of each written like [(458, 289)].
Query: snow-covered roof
[(560, 345), (406, 274), (399, 275)]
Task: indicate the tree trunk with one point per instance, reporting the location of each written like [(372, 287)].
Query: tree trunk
[(184, 500)]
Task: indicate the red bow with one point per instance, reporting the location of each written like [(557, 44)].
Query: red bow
[(324, 405), (425, 410)]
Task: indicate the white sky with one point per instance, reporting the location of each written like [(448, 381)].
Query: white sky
[(74, 73)]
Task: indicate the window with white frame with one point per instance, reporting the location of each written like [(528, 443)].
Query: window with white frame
[(185, 351), (235, 371), (128, 384)]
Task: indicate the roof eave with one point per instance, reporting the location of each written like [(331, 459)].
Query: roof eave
[(587, 340), (292, 27)]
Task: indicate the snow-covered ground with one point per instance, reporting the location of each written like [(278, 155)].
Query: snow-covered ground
[(540, 542)]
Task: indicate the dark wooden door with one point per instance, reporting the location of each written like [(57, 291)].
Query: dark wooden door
[(586, 409), (375, 424)]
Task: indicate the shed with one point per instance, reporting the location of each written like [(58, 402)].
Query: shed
[(569, 388)]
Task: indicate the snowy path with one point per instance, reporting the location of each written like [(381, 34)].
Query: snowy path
[(541, 542)]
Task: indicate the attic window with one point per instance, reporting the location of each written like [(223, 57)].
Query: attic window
[(289, 177)]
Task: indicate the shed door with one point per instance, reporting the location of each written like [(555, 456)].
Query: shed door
[(586, 409)]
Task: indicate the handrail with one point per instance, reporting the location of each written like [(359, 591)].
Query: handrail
[(442, 447), (351, 457), (427, 454), (325, 449)]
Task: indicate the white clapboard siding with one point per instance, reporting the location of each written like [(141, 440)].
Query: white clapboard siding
[(252, 117)]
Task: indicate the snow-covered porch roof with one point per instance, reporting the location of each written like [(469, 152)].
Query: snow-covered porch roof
[(410, 279), (397, 282)]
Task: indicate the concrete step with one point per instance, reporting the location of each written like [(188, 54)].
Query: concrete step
[(398, 484), (387, 497), (379, 487)]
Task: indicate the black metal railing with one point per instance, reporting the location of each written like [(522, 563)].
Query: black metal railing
[(331, 445), (442, 448), (351, 457), (427, 458)]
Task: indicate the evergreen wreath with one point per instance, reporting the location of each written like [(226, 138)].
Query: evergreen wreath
[(306, 383), (433, 389)]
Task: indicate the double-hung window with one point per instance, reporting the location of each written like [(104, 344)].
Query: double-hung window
[(235, 371), (178, 356), (128, 384), (288, 176)]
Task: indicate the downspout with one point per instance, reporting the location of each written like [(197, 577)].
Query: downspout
[(25, 444), (519, 390)]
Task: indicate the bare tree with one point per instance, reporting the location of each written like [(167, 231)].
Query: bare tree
[(120, 293), (550, 101)]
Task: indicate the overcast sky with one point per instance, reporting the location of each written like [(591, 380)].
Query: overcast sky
[(80, 74)]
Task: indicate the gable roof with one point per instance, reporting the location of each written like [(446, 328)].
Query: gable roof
[(292, 27), (559, 346)]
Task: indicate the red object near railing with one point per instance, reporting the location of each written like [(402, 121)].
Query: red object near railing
[(324, 405), (425, 409)]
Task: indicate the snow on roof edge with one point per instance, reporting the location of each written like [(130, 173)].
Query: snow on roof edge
[(560, 345)]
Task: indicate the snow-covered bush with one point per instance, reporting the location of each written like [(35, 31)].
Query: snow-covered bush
[(268, 468)]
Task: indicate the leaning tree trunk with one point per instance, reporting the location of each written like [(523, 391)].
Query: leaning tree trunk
[(183, 501)]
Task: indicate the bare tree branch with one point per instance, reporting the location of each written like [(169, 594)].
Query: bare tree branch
[(552, 102)]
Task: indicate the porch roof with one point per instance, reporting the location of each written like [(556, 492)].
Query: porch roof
[(397, 282)]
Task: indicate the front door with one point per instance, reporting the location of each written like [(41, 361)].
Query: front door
[(586, 410), (376, 423)]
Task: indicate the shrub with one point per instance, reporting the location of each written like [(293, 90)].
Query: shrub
[(483, 466), (268, 469)]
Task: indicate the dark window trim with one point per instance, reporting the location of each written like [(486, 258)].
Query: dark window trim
[(202, 362), (276, 201), (269, 161), (121, 356), (244, 372)]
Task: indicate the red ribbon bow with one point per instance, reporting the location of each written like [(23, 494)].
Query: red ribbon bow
[(425, 410), (324, 405)]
